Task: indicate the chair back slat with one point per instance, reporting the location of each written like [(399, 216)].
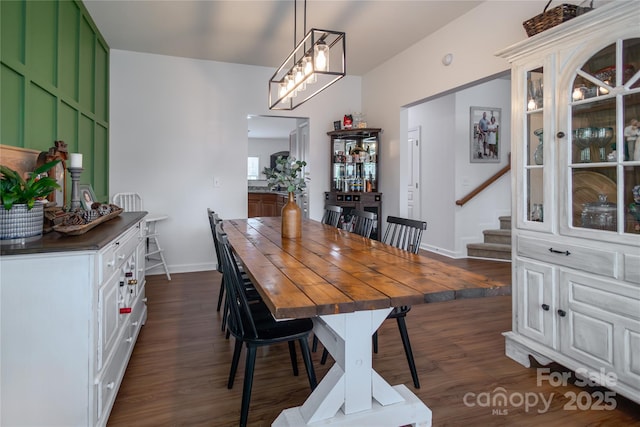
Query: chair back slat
[(332, 215), (363, 222), (214, 219), (240, 320), (404, 233), (130, 202)]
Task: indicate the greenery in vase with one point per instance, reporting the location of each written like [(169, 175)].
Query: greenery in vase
[(15, 190), (287, 174)]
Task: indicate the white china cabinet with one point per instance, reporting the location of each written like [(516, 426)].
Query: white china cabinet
[(576, 201), (71, 310)]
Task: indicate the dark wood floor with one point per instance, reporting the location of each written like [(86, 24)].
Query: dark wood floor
[(178, 371)]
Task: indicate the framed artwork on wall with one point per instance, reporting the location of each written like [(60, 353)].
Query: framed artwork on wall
[(485, 139)]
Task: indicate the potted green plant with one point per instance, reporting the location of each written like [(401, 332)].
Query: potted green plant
[(289, 174), (20, 214)]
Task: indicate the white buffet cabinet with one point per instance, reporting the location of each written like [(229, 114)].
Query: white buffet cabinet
[(71, 311), (576, 240)]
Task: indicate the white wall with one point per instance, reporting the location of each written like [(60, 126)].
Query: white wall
[(418, 73), (176, 123)]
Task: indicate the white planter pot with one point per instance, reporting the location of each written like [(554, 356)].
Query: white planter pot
[(20, 223)]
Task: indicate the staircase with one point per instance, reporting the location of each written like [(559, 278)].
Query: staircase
[(497, 243)]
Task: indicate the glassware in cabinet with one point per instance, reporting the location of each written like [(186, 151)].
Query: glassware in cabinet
[(355, 160)]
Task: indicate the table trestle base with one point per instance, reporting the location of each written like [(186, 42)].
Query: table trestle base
[(352, 392), (411, 411)]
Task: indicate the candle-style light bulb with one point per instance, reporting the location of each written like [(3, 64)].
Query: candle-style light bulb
[(282, 91), (297, 74), (299, 77), (307, 63), (290, 84), (321, 53)]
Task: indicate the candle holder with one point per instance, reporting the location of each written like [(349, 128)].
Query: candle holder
[(75, 193)]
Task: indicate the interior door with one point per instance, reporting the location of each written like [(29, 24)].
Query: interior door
[(413, 185)]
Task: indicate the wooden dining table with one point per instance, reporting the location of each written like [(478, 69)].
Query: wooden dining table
[(347, 284)]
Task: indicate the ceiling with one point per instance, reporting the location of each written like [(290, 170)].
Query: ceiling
[(261, 32), (270, 127)]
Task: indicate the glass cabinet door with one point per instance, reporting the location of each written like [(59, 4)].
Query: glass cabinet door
[(604, 160), (355, 162), (534, 147)]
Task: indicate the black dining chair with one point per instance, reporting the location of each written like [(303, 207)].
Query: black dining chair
[(404, 234), (251, 326), (251, 292), (363, 222), (212, 223), (332, 214)]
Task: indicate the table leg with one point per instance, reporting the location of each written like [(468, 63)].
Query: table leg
[(352, 392)]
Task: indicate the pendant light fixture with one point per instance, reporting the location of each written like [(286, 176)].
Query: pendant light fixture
[(315, 63)]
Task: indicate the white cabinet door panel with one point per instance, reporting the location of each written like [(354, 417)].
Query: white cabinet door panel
[(536, 301)]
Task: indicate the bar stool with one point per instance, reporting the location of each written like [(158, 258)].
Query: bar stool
[(132, 202), (155, 253)]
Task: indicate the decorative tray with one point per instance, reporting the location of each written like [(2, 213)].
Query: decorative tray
[(75, 230)]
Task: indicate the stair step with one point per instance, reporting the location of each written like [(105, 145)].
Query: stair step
[(501, 236), (505, 222), (489, 250)]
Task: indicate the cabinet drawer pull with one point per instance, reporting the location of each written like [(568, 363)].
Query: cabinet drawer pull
[(130, 339), (567, 253), (111, 385), (545, 307), (560, 134), (562, 313)]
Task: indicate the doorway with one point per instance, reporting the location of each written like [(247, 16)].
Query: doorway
[(270, 136)]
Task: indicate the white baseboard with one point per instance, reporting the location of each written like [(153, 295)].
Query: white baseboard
[(183, 268), (441, 251)]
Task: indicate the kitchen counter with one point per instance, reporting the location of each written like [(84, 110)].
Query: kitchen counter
[(266, 203), (258, 190), (92, 240)]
